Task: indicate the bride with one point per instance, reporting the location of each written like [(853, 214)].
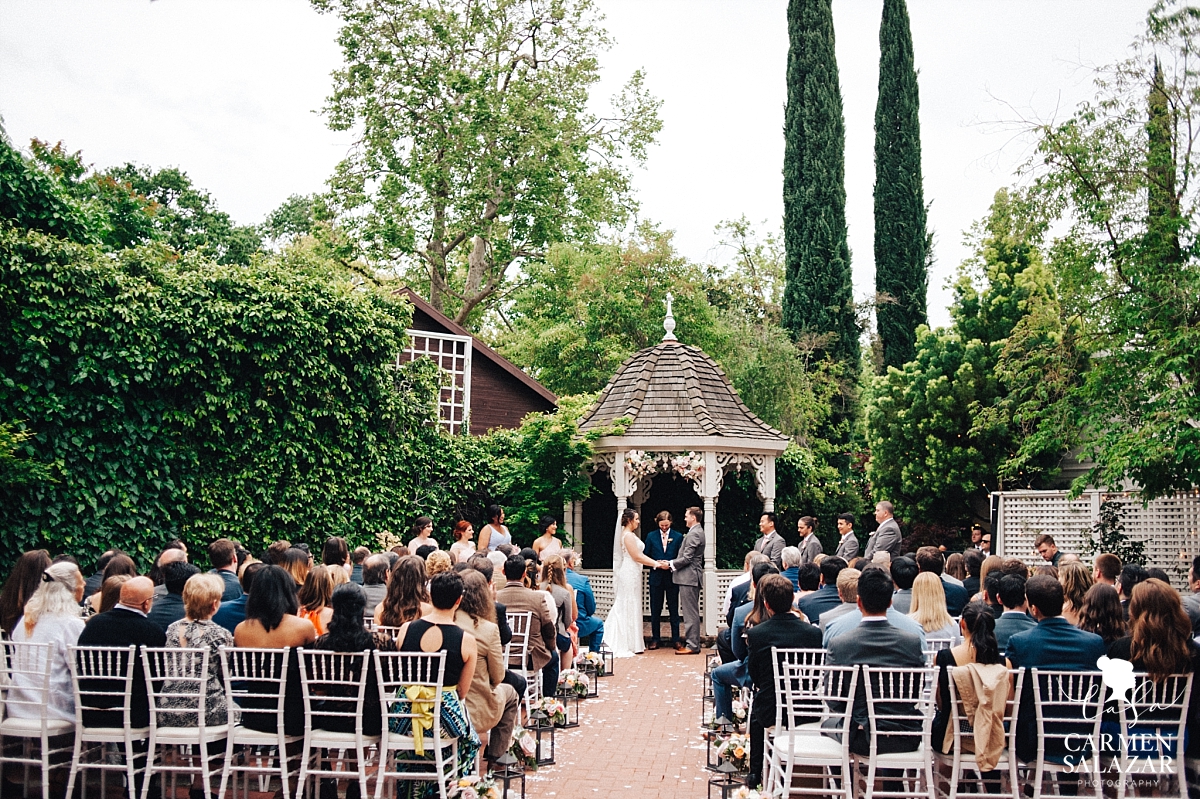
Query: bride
[(623, 630)]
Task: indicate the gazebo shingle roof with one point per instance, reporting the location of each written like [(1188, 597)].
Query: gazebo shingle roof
[(675, 389)]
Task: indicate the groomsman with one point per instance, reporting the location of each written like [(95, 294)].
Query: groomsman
[(810, 545), (663, 544), (847, 548), (887, 538), (771, 543)]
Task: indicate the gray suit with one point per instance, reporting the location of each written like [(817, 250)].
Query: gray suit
[(771, 545), (847, 548), (886, 539), (1009, 624), (686, 572), (810, 547)]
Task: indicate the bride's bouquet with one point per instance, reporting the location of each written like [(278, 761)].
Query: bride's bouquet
[(572, 681)]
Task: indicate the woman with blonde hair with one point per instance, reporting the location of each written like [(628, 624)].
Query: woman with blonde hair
[(51, 616), (315, 596), (929, 608), (438, 562), (554, 580), (197, 630), (296, 562), (1075, 579)]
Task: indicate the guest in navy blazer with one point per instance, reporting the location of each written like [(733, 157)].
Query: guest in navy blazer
[(663, 544)]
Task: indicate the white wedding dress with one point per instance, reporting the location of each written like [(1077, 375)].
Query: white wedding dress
[(623, 630)]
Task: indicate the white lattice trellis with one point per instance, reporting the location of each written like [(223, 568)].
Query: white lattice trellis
[(453, 354), (1169, 526), (602, 587)]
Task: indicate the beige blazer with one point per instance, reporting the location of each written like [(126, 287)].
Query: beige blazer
[(483, 703)]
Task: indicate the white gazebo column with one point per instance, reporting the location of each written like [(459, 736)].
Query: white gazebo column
[(712, 488), (766, 484)]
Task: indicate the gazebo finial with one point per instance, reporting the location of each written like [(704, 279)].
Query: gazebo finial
[(669, 322)]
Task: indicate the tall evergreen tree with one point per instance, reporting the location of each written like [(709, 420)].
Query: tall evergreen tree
[(1162, 212), (819, 293), (901, 278)]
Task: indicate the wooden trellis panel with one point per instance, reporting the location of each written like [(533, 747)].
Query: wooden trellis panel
[(1170, 526)]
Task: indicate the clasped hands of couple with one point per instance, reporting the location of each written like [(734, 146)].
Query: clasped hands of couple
[(662, 564)]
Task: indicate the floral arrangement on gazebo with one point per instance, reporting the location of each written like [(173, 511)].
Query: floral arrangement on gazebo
[(642, 464)]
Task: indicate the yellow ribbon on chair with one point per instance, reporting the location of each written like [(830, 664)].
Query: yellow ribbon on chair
[(421, 697)]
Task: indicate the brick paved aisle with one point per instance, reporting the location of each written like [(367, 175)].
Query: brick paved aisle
[(639, 738)]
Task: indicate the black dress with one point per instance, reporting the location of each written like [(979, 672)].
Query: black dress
[(452, 641), (259, 713)]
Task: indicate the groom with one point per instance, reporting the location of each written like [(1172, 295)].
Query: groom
[(686, 573)]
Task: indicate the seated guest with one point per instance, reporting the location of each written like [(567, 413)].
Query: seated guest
[(790, 557), (875, 642), (956, 567), (347, 634), (407, 598), (929, 608), (847, 587), (851, 620), (1076, 579), (1015, 618), (97, 579), (437, 562), (110, 592), (51, 616), (1107, 569), (930, 560), (125, 625), (543, 652), (120, 564), (196, 630), (1160, 644), (904, 572), (222, 554), (271, 623), (809, 579), (23, 581), (437, 631), (376, 572), (483, 564), (233, 613), (336, 555), (991, 592), (554, 581), (590, 625), (174, 552), (1054, 643), (424, 551), (298, 563), (990, 563), (734, 674), (826, 597), (1131, 575), (358, 558), (978, 647), (168, 608), (274, 556), (780, 629), (972, 561), (492, 703), (315, 597), (1101, 613), (739, 587)]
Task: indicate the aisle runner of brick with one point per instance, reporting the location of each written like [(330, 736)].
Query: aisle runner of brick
[(639, 738)]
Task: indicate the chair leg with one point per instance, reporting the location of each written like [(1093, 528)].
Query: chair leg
[(75, 767)]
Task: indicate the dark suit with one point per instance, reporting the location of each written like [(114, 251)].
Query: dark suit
[(784, 632), (121, 627), (233, 588), (502, 623), (1010, 624), (233, 613), (878, 643), (971, 585), (660, 583), (823, 599), (166, 610), (956, 598), (738, 596)]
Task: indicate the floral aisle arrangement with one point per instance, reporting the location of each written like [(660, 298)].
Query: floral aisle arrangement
[(573, 681), (475, 788), (735, 749), (741, 708), (746, 793), (590, 663), (554, 709), (524, 748)]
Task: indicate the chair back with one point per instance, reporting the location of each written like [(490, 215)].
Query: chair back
[(256, 679), (1067, 711), (809, 692), (102, 677), (899, 706), (334, 685), (961, 724), (517, 651), (390, 632), (1154, 717), (25, 680), (400, 671), (177, 686)]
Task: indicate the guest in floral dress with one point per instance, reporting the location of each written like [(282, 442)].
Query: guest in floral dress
[(197, 630)]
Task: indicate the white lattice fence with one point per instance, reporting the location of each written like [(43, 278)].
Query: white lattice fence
[(1170, 526), (602, 587)]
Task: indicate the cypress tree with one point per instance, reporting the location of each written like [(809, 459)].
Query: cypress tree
[(901, 277), (1162, 212), (818, 295)]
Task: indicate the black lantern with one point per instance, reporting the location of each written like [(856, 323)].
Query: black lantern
[(570, 701), (726, 781), (507, 771), (714, 736), (542, 728), (610, 660)]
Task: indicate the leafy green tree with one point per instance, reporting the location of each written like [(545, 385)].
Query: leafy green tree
[(901, 279), (477, 149), (818, 298), (32, 198), (1120, 172)]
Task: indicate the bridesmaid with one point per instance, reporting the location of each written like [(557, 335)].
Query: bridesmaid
[(546, 544), (463, 547), (422, 528), (494, 533)]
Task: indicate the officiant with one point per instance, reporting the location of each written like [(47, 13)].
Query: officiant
[(663, 544)]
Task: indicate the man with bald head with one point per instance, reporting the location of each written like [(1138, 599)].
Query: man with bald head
[(165, 558), (125, 625)]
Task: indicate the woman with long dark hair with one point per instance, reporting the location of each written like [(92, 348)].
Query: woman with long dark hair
[(121, 564), (336, 552), (21, 584), (407, 598), (315, 597), (978, 628), (347, 634), (494, 533), (1101, 613)]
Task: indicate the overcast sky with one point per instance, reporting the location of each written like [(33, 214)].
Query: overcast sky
[(230, 91)]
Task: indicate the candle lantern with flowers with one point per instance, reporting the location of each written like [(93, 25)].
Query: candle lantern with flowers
[(507, 771), (715, 734), (591, 664), (573, 685), (543, 733)]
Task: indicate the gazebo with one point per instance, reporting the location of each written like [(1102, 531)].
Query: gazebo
[(686, 428)]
